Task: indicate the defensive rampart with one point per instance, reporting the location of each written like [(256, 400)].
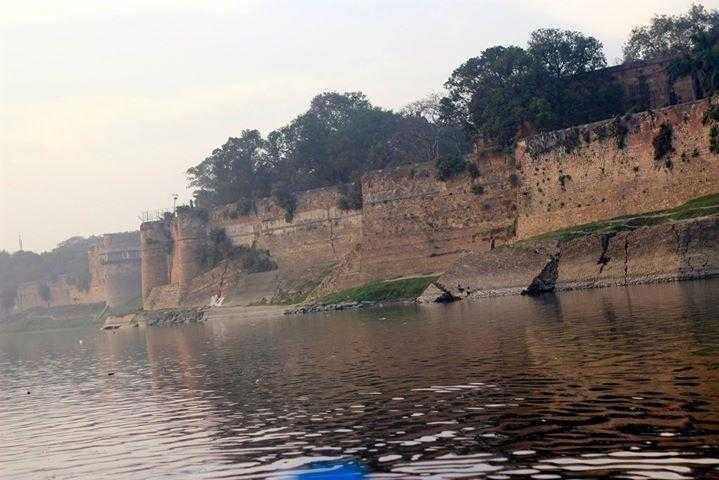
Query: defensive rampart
[(413, 223), (645, 162), (114, 267)]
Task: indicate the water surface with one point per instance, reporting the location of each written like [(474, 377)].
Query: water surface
[(608, 383)]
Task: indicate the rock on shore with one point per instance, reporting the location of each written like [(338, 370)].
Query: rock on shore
[(172, 317)]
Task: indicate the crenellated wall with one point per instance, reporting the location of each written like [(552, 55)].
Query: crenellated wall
[(588, 173)]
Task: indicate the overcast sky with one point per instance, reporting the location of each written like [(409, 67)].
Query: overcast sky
[(106, 104)]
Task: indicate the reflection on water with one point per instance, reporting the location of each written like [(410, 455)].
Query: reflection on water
[(606, 383)]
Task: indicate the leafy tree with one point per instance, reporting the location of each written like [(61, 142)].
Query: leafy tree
[(701, 62), (340, 136), (669, 35), (232, 172), (543, 87), (563, 54)]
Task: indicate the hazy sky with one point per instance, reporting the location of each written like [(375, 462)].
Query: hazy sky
[(104, 105)]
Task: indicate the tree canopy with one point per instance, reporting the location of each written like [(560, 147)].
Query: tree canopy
[(540, 87), (669, 35), (339, 137)]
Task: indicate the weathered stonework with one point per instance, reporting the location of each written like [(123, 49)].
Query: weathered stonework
[(412, 223), (583, 174), (114, 266), (155, 250), (683, 250), (115, 263)]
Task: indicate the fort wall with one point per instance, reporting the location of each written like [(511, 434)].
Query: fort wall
[(411, 223), (155, 247), (594, 172), (114, 266)]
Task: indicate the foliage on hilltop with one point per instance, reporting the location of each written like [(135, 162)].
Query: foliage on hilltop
[(339, 137), (669, 35), (492, 99)]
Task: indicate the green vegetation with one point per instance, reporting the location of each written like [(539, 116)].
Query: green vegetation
[(663, 143), (713, 140), (493, 98), (381, 291), (450, 166), (350, 196), (543, 87), (699, 207), (219, 247), (669, 35), (339, 137), (67, 316)]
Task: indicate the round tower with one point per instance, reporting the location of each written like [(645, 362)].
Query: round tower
[(189, 232), (154, 252)]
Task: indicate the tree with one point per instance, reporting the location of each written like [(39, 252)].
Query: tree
[(669, 35), (232, 172), (489, 94), (564, 54), (493, 95), (701, 62)]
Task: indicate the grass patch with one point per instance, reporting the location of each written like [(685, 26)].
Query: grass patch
[(381, 291), (698, 207)]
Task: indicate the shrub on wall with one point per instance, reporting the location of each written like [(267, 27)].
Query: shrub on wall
[(44, 292), (473, 170), (190, 210), (477, 189), (219, 247), (713, 140), (662, 143), (241, 208), (450, 166), (350, 196), (286, 200), (620, 131)]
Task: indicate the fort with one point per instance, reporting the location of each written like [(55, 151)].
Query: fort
[(114, 266), (413, 224), (410, 222)]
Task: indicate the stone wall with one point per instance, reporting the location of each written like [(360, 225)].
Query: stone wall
[(414, 223), (114, 265), (650, 84), (319, 233), (115, 268), (593, 172), (155, 250)]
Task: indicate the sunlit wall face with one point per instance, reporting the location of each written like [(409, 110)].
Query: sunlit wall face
[(105, 106)]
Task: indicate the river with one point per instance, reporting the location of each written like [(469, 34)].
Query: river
[(620, 382)]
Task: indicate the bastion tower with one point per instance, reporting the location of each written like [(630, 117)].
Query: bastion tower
[(155, 250), (189, 234)]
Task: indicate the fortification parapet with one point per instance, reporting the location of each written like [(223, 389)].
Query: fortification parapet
[(155, 249)]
